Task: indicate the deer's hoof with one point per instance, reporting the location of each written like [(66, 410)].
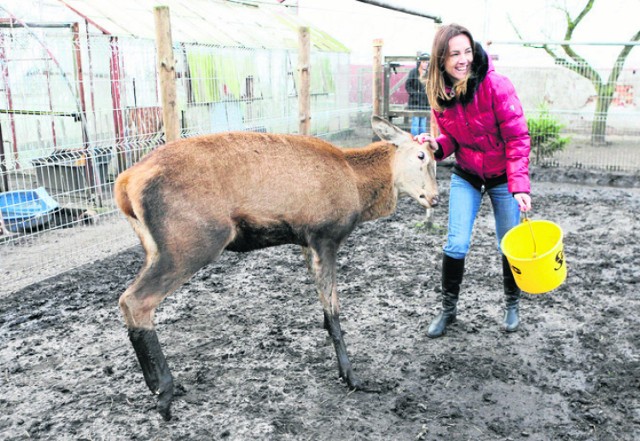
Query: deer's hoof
[(165, 398)]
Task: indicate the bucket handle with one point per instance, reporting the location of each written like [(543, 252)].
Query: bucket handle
[(533, 237)]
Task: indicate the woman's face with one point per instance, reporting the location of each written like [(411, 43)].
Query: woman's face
[(459, 57)]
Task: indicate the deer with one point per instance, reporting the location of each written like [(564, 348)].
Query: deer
[(191, 199)]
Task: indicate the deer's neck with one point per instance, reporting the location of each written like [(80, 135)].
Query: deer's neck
[(373, 166)]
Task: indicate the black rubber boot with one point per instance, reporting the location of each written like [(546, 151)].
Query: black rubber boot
[(512, 298), (452, 271)]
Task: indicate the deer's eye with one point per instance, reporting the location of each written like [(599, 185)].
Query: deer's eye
[(421, 155)]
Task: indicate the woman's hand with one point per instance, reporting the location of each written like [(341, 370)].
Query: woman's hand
[(524, 201), (426, 138)]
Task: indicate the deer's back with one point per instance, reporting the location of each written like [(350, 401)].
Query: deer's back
[(248, 177)]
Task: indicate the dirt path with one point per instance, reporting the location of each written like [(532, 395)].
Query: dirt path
[(244, 339)]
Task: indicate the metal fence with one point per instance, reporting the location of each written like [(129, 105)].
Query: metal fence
[(76, 109)]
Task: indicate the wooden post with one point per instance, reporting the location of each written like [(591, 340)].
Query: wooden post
[(433, 125), (304, 93), (377, 75), (167, 72)]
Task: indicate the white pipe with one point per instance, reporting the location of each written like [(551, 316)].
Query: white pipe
[(569, 43)]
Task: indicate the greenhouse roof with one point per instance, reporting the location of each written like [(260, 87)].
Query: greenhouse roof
[(216, 22)]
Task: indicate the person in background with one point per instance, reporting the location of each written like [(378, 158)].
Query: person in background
[(482, 123), (417, 94)]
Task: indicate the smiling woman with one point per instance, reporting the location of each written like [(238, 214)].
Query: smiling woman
[(482, 123)]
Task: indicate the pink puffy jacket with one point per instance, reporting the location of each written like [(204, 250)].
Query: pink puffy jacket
[(487, 131)]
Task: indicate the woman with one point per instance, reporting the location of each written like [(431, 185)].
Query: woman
[(481, 121), (417, 94)]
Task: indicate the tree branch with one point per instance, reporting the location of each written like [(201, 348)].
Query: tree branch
[(584, 12), (571, 26), (622, 56)]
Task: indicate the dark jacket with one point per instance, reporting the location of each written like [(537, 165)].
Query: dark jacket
[(487, 129), (417, 94)]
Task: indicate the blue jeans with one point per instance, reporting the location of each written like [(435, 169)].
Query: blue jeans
[(418, 125), (464, 203)]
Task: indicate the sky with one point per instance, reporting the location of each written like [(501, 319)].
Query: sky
[(356, 25)]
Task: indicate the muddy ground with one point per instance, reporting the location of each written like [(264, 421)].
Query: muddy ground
[(244, 339)]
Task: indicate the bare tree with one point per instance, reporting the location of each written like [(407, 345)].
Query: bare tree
[(604, 88)]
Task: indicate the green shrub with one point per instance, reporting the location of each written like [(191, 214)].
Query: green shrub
[(544, 130)]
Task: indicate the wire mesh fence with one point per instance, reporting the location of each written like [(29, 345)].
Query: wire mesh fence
[(78, 108), (81, 108), (582, 110)]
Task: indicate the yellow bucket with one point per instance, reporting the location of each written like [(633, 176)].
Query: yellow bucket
[(535, 253)]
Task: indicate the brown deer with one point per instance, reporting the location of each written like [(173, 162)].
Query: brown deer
[(191, 199)]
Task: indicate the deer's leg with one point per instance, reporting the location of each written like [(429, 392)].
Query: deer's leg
[(164, 272), (138, 304), (324, 267)]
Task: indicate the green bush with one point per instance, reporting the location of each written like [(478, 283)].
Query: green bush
[(544, 130)]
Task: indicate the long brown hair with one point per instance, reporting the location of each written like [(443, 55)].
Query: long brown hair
[(436, 79)]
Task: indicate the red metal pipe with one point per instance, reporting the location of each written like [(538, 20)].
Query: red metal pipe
[(7, 85), (53, 121), (79, 77), (100, 28), (3, 166), (91, 85), (116, 99), (93, 178)]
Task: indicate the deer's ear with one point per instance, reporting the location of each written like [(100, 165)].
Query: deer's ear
[(388, 132)]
